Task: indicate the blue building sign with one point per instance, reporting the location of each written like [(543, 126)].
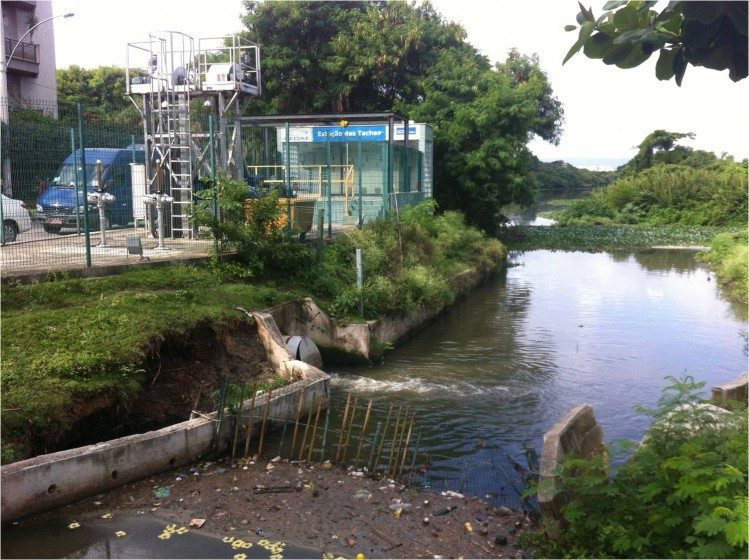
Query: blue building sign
[(349, 134)]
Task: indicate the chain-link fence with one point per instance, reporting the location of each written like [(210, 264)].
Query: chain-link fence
[(79, 185)]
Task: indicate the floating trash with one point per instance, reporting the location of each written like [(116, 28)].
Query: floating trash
[(228, 539), (240, 556), (74, 525), (120, 533), (107, 516), (163, 492)]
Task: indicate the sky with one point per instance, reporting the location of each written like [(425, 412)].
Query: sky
[(608, 111)]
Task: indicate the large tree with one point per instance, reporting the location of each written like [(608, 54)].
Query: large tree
[(404, 57)]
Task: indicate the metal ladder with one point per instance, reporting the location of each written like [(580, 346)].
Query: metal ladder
[(172, 137)]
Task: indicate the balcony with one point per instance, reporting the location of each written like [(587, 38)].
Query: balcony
[(25, 59)]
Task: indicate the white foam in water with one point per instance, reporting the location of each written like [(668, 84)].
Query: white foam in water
[(361, 384)]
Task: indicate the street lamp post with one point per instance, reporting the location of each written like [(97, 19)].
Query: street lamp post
[(5, 62)]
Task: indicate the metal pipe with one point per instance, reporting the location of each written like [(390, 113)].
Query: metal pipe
[(374, 445), (350, 427), (359, 185), (265, 420), (237, 423), (364, 427), (405, 446), (250, 422), (382, 442), (314, 429), (325, 434), (343, 424), (296, 423)]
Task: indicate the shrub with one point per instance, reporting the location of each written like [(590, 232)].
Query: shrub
[(682, 494)]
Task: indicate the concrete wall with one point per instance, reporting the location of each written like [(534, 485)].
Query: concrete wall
[(59, 478), (576, 434), (735, 390), (305, 318)]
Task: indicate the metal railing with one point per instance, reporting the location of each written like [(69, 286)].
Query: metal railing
[(28, 52)]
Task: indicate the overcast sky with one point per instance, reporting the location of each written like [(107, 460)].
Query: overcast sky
[(607, 110)]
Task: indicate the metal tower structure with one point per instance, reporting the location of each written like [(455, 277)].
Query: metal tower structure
[(163, 75)]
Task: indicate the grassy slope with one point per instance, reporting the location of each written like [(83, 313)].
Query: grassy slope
[(74, 338)]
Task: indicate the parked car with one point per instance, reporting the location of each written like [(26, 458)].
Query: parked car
[(16, 218), (62, 205)]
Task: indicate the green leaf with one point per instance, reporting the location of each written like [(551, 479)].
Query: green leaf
[(617, 53), (597, 45), (680, 66), (736, 532), (704, 12), (627, 18), (664, 68), (585, 32), (613, 5), (570, 27)]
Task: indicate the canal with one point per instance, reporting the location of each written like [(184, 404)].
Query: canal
[(557, 329)]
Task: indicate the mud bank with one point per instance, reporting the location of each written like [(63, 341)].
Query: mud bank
[(307, 505)]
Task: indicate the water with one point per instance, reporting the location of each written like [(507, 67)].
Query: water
[(559, 329)]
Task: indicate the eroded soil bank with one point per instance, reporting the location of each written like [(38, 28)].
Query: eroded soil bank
[(182, 373), (307, 505)]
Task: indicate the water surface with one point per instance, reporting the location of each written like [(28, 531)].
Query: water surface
[(559, 329)]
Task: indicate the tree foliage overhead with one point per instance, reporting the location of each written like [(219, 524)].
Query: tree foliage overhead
[(101, 90), (700, 33), (404, 57)]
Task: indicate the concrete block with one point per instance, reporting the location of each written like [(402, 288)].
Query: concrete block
[(735, 390)]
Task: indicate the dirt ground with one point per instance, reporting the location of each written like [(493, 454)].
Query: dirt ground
[(317, 506)]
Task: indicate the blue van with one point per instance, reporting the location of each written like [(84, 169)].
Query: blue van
[(60, 206)]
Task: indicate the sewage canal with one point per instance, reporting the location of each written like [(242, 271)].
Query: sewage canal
[(558, 329)]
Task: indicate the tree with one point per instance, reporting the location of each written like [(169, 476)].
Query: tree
[(101, 90), (404, 57), (709, 34), (658, 140)]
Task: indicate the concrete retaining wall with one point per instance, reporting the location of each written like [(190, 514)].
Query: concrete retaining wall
[(55, 479), (735, 390), (576, 434), (305, 318)]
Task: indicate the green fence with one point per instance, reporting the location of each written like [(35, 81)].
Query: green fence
[(50, 151)]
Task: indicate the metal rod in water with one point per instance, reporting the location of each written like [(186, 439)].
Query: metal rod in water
[(343, 424), (265, 421), (382, 441), (283, 437), (350, 426), (374, 445), (250, 422), (392, 443), (306, 429), (325, 434), (363, 431), (416, 450), (237, 422), (405, 446), (314, 429), (296, 423)]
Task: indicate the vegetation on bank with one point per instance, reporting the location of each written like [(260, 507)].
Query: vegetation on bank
[(728, 257), (681, 494), (668, 194), (602, 238), (67, 340)]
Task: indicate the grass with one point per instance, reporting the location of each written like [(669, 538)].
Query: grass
[(729, 258), (601, 238)]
